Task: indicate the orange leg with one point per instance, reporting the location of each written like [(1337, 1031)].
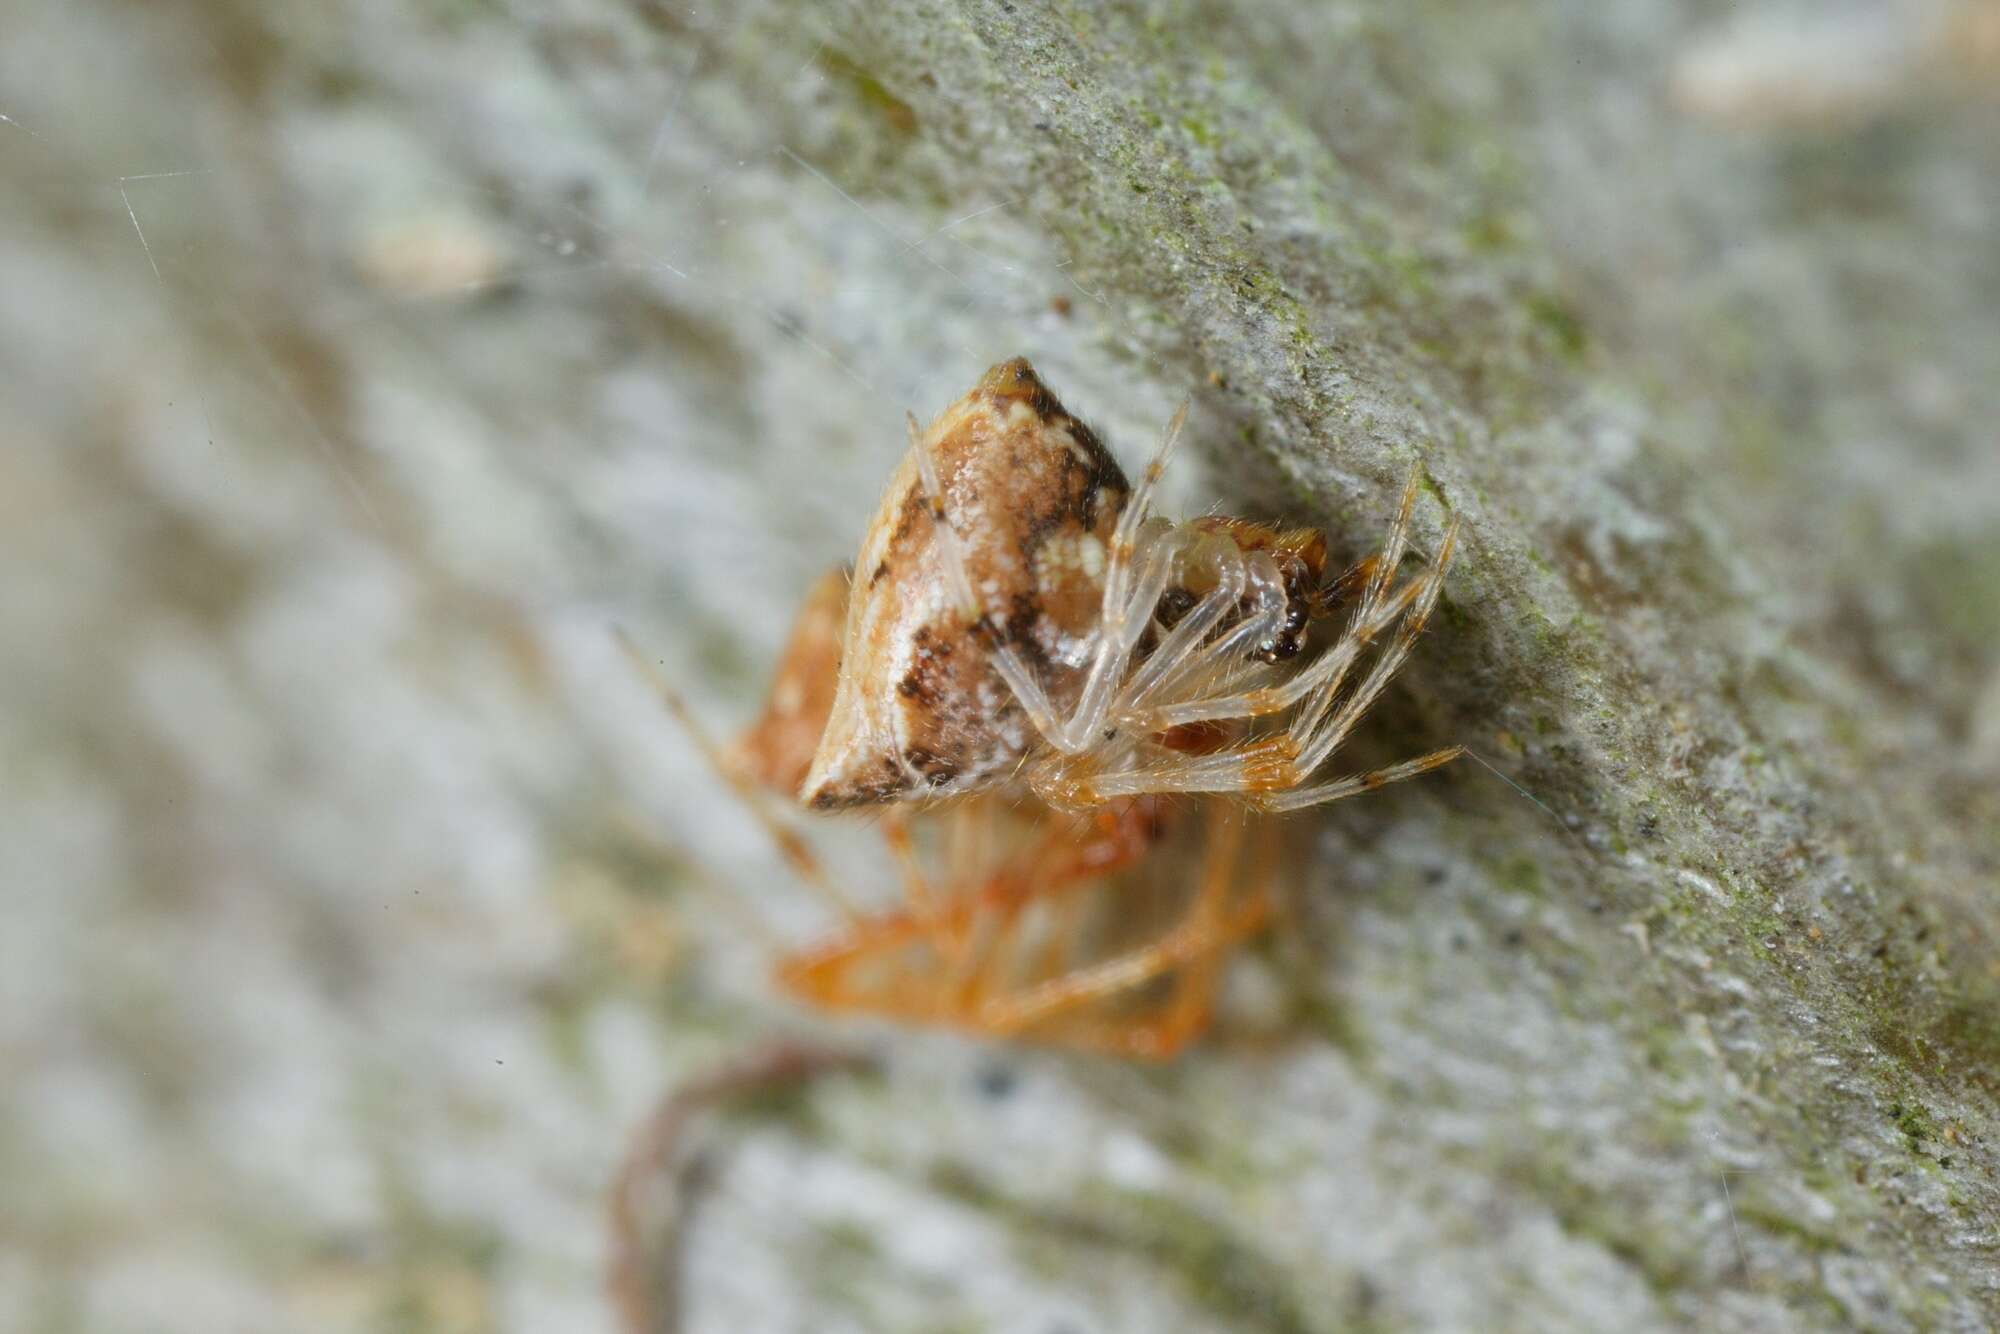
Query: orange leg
[(1062, 936), (916, 884), (1158, 1034), (1193, 950), (984, 990), (969, 917), (988, 943)]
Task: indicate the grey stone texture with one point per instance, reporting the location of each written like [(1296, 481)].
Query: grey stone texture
[(364, 364)]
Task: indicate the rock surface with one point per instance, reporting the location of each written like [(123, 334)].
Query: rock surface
[(366, 364)]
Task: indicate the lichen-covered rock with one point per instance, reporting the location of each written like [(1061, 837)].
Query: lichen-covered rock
[(365, 365)]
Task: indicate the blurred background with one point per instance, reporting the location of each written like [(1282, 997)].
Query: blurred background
[(363, 365)]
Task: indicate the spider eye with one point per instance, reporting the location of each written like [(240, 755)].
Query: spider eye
[(1174, 604)]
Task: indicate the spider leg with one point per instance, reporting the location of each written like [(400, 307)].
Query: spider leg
[(1067, 781), (987, 962), (1329, 668), (1062, 861), (933, 961), (970, 842), (1059, 940), (1209, 928), (790, 846), (823, 975), (1162, 1033), (939, 914), (1265, 764), (1180, 646), (1391, 554), (1219, 662), (1282, 760), (1321, 793), (1125, 610), (1187, 1011), (1317, 747), (917, 890), (1159, 1034), (1122, 834), (1368, 612), (1120, 626)]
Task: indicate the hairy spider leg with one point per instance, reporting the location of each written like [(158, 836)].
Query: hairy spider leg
[(1192, 951), (1056, 1003), (1188, 658), (972, 822), (1232, 578), (1321, 793), (1268, 771), (1056, 860), (1316, 748), (1323, 677), (1066, 859), (984, 883), (1187, 1014), (895, 825), (1330, 666), (1125, 611)]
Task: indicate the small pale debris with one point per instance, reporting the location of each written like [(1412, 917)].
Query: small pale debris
[(428, 256), (1696, 880), (1799, 73), (1131, 1162)]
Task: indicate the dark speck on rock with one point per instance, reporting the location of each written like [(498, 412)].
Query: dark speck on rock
[(997, 1081)]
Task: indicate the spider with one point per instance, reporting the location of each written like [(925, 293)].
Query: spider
[(1064, 697), (1014, 922), (1058, 902), (1024, 617)]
